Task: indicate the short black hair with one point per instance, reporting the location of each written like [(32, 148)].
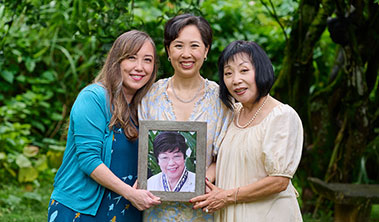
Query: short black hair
[(264, 72), (177, 23), (169, 141)]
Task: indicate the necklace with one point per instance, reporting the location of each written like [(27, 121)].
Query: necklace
[(252, 118), (182, 100)]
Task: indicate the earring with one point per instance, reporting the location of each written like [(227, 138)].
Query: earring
[(169, 59), (205, 59)]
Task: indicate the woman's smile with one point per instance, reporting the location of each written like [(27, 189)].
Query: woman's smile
[(187, 65)]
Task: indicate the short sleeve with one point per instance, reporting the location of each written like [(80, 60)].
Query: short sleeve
[(283, 142), (225, 116), (90, 126), (143, 109)]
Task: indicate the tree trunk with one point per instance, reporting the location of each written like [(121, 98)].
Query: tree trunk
[(339, 119)]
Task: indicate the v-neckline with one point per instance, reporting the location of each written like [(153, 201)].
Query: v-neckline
[(191, 116)]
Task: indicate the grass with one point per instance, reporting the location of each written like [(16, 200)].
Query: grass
[(27, 203)]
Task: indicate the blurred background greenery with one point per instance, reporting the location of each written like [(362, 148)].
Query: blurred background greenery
[(323, 52)]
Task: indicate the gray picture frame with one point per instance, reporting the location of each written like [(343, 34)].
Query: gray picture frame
[(160, 125)]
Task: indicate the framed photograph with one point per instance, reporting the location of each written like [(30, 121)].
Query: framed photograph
[(171, 158)]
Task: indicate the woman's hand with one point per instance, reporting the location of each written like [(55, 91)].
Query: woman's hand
[(216, 199), (142, 199)]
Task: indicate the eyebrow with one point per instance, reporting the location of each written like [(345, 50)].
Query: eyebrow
[(193, 41), (243, 62)]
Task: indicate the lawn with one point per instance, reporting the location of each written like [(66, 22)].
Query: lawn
[(29, 204), (26, 203)]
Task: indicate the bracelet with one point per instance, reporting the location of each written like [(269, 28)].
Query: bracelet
[(235, 196)]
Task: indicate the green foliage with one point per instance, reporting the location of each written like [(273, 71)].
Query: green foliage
[(49, 51)]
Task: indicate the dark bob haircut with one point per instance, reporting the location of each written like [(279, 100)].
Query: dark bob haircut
[(177, 23), (169, 141), (264, 72)]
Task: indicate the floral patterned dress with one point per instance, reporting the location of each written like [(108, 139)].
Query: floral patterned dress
[(157, 106)]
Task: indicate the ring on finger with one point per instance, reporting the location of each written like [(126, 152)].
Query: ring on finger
[(206, 210)]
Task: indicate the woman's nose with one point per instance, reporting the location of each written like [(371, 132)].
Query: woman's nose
[(236, 79), (186, 52), (171, 161), (138, 66)]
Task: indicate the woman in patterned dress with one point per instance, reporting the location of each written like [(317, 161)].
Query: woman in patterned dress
[(99, 167), (186, 96), (262, 147)]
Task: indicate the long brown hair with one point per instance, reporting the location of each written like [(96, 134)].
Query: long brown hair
[(124, 115)]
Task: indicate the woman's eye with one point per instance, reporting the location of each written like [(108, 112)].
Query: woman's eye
[(178, 46), (195, 45), (131, 57), (148, 60), (227, 73), (244, 70)]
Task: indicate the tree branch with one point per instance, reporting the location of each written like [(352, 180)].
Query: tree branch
[(275, 16)]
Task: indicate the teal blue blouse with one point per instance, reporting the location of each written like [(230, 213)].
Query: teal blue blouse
[(89, 144)]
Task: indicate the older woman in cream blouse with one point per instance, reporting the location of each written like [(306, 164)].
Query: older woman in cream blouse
[(262, 147)]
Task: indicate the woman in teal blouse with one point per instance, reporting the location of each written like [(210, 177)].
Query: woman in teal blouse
[(99, 168)]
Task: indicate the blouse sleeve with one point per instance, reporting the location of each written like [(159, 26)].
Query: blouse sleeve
[(225, 116), (90, 126), (142, 108), (283, 143)]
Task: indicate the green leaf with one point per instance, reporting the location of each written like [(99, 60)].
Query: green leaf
[(27, 174), (33, 196), (190, 164), (153, 164), (48, 75), (54, 159), (41, 52), (13, 200), (30, 151), (2, 8), (3, 156), (21, 78), (22, 161), (8, 76), (38, 125), (30, 64), (70, 59), (56, 116), (41, 164), (57, 148)]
